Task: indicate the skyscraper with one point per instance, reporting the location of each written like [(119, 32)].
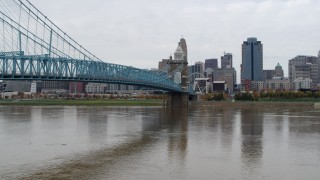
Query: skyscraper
[(319, 67), (252, 60), (184, 48), (226, 60), (181, 52), (302, 60), (180, 58), (211, 63), (197, 69), (229, 75)]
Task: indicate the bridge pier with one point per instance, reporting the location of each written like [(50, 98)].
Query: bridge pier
[(177, 100)]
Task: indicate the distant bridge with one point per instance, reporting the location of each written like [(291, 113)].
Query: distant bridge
[(33, 48)]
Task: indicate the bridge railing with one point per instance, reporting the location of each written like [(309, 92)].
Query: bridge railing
[(47, 68)]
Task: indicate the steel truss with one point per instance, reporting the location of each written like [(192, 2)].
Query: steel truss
[(56, 69), (32, 47)]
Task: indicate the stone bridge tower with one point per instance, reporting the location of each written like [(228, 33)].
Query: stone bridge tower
[(180, 61)]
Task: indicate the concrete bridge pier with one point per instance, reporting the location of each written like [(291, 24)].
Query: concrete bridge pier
[(177, 100)]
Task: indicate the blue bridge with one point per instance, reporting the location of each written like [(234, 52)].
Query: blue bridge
[(32, 47)]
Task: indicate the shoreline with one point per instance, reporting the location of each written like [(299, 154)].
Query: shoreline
[(62, 102), (255, 103), (122, 102)]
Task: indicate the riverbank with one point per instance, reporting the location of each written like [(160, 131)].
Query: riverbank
[(61, 102), (253, 104), (124, 102)]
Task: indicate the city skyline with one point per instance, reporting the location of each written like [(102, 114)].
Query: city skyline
[(147, 32)]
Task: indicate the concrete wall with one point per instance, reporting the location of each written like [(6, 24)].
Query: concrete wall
[(177, 100)]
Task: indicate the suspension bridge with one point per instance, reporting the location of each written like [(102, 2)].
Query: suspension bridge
[(32, 47)]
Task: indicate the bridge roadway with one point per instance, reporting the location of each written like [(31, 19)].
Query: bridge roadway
[(16, 66)]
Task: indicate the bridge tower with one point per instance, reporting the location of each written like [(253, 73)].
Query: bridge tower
[(179, 71)]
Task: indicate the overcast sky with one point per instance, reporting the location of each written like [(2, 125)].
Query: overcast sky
[(140, 33)]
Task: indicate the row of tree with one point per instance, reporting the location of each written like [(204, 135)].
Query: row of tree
[(218, 96), (21, 95), (276, 95)]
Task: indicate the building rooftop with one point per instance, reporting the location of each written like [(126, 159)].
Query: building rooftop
[(252, 39), (278, 65)]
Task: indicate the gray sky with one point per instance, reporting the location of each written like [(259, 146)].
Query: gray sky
[(140, 33)]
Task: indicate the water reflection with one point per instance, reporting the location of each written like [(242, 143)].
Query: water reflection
[(147, 142), (22, 114), (15, 124), (252, 132), (15, 132), (97, 126), (227, 121), (305, 124), (55, 113), (178, 133)]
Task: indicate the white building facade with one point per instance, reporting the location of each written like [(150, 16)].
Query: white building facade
[(98, 88), (301, 83)]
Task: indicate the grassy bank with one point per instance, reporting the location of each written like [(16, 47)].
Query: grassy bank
[(60, 102), (121, 102), (266, 104), (306, 100)]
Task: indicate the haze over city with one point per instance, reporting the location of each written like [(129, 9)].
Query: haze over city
[(140, 33)]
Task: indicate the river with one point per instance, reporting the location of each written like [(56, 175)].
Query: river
[(142, 143)]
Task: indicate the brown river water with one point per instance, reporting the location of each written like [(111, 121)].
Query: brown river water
[(142, 143)]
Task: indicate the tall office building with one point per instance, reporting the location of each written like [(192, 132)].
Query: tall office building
[(163, 64), (319, 67), (308, 64), (211, 63), (252, 60), (180, 57), (301, 71), (229, 75), (179, 54), (268, 74), (226, 60), (197, 70), (184, 48)]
